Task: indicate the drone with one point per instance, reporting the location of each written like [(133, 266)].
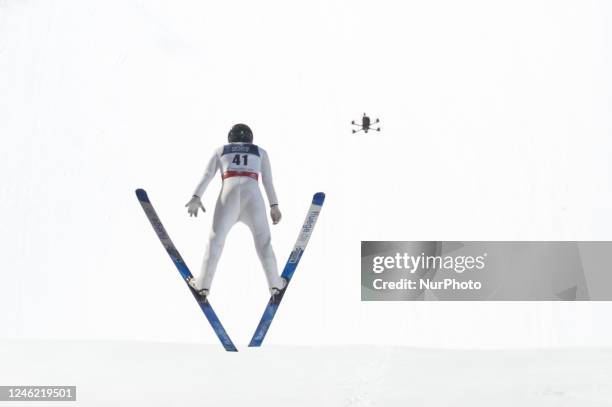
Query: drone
[(365, 125)]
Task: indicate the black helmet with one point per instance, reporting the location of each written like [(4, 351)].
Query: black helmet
[(240, 133)]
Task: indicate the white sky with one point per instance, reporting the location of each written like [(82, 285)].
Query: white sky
[(496, 125)]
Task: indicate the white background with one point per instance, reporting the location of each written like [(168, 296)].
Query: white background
[(496, 125)]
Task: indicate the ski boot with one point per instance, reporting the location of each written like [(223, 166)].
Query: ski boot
[(202, 292), (274, 291)]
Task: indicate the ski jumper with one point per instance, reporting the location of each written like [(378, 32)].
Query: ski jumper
[(240, 200)]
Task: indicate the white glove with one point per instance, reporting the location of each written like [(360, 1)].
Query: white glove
[(275, 214), (193, 205)]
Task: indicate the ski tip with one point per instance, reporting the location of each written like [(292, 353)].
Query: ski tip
[(142, 195), (318, 198)]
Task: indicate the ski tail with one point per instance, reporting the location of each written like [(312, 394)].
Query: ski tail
[(205, 306), (290, 267)]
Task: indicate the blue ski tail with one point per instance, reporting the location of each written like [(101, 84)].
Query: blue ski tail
[(205, 306), (289, 270)]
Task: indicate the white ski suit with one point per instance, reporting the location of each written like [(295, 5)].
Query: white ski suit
[(240, 199)]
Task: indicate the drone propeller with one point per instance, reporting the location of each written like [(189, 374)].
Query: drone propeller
[(353, 122), (377, 121), (378, 129), (354, 131)]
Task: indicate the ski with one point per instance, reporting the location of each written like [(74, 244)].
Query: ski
[(292, 263), (183, 270)]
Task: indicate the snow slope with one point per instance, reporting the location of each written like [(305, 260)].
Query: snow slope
[(165, 374)]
